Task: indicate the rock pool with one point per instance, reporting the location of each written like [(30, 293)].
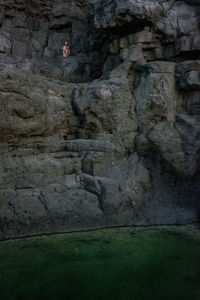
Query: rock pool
[(124, 263)]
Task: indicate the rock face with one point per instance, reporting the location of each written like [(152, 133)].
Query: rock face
[(108, 136)]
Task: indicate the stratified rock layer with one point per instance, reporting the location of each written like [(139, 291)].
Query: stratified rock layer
[(108, 136)]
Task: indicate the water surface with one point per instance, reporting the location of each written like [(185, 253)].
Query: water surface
[(157, 263)]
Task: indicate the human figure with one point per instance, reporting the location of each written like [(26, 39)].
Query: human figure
[(66, 49)]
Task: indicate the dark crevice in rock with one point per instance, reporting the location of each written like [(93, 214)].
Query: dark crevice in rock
[(191, 55)]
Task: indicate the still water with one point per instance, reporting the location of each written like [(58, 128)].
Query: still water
[(158, 263)]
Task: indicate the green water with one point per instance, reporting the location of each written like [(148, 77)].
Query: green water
[(126, 264)]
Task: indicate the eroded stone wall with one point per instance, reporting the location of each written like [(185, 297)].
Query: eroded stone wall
[(108, 136)]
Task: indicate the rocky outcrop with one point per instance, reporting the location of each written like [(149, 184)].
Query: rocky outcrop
[(110, 135)]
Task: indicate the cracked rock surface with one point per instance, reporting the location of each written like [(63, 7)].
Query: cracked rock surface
[(109, 136)]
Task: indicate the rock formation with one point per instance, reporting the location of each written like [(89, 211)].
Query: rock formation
[(110, 135)]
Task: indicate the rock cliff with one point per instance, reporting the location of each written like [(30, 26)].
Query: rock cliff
[(110, 135)]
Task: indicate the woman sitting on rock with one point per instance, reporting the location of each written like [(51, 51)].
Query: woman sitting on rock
[(66, 49)]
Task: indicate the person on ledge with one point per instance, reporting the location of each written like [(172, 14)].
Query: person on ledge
[(66, 49)]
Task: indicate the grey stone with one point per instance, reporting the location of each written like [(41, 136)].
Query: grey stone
[(20, 49), (155, 95), (189, 129), (145, 36), (108, 136), (167, 140), (142, 144), (114, 47), (69, 10), (123, 43), (190, 81), (91, 184), (182, 45), (135, 54), (20, 34), (124, 53), (110, 198), (192, 102), (5, 44)]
